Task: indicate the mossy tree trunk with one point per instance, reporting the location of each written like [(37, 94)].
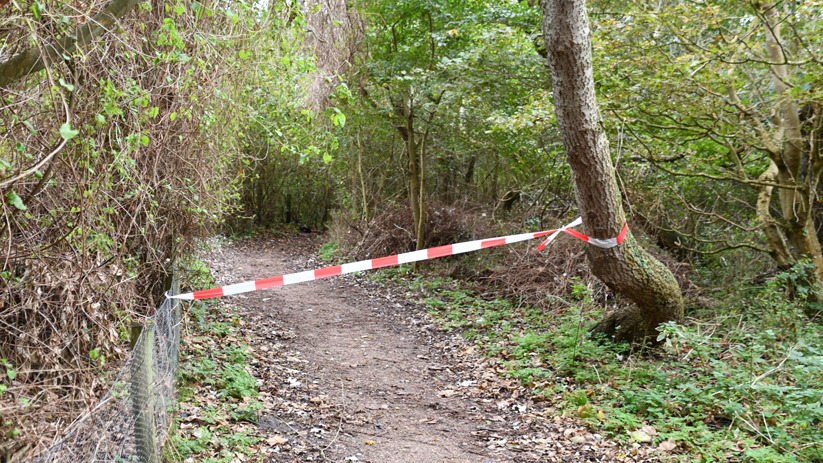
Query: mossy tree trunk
[(626, 269)]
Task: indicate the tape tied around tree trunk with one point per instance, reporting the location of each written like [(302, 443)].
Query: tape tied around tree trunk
[(405, 258)]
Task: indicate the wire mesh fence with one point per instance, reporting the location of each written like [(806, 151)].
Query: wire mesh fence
[(130, 423)]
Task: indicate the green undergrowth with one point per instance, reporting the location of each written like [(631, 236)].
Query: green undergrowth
[(741, 382), (328, 251), (216, 394)]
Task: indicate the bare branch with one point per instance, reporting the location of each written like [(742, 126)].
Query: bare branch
[(754, 183), (32, 59)]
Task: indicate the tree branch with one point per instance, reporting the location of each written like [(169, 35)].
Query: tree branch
[(749, 182), (32, 59)]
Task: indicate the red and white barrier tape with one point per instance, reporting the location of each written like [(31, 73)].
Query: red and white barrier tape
[(397, 259)]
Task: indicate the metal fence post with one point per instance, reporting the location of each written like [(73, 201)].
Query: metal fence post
[(142, 381), (173, 286)]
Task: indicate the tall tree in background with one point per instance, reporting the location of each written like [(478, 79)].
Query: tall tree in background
[(409, 59), (627, 268)]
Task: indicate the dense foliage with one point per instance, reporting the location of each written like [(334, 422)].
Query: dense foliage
[(718, 103), (114, 157)]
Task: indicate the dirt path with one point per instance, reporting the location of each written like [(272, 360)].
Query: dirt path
[(350, 371)]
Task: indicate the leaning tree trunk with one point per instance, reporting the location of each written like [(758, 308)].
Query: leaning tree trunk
[(627, 268)]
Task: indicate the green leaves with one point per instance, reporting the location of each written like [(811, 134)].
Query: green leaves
[(67, 132), (337, 117), (10, 372), (68, 87), (308, 113), (95, 354), (37, 9), (15, 200)]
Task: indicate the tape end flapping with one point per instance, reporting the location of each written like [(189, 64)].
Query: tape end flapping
[(543, 245), (187, 296)]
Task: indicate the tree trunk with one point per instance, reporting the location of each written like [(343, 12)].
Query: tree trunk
[(779, 251), (362, 180), (414, 175), (421, 198), (404, 108), (627, 268), (795, 204)]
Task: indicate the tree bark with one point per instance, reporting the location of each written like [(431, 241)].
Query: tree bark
[(414, 177), (795, 204), (403, 107), (32, 60), (421, 198), (362, 180), (627, 268), (778, 249)]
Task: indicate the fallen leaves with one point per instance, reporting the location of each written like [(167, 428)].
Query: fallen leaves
[(640, 436), (667, 445), (321, 400), (646, 433), (649, 430), (276, 440), (586, 411), (306, 414)]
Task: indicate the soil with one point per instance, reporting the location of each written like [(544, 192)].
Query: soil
[(351, 370)]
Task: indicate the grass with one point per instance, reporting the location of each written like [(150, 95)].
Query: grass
[(740, 382)]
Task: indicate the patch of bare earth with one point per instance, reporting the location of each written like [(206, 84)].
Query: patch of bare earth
[(352, 371)]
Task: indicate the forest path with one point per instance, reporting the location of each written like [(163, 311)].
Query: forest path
[(350, 371)]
